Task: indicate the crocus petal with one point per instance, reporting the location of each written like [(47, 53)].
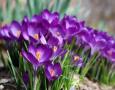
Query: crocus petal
[(4, 33), (29, 57), (15, 29)]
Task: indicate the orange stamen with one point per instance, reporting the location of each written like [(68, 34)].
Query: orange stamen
[(76, 58), (38, 56), (52, 72), (36, 36), (55, 48), (18, 33)]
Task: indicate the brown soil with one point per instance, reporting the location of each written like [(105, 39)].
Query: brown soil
[(6, 82)]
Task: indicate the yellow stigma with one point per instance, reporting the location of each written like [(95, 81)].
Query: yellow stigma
[(18, 33), (55, 48), (52, 72), (38, 56), (36, 36), (57, 33), (76, 58)]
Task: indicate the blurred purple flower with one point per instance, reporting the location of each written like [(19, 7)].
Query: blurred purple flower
[(15, 30), (4, 33), (109, 53), (58, 33)]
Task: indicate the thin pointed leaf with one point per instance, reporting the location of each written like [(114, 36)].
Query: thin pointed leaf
[(64, 6), (8, 14), (55, 6), (31, 6), (1, 15), (12, 68)]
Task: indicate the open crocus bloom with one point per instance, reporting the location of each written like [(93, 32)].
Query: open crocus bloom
[(77, 61), (15, 30), (37, 55), (33, 32), (53, 71), (58, 33)]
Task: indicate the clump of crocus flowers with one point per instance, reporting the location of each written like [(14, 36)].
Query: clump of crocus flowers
[(46, 39)]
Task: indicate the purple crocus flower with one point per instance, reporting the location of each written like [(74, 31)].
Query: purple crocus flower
[(38, 55), (77, 60), (92, 39), (53, 71), (57, 51), (34, 31), (42, 23), (15, 30), (52, 18), (109, 53), (85, 35), (58, 33), (51, 31), (70, 26), (53, 42), (30, 30), (4, 33), (84, 39), (101, 41)]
